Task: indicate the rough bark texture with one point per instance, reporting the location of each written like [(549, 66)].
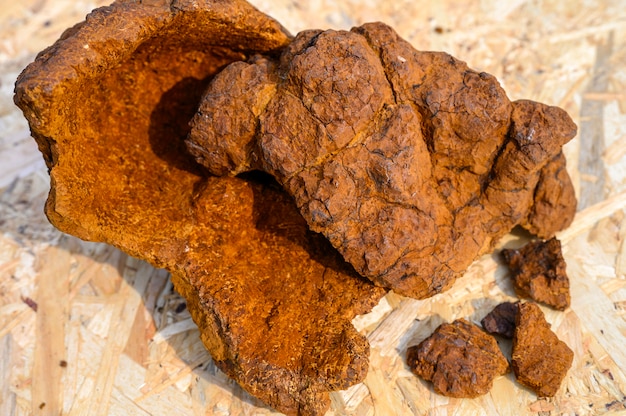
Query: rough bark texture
[(459, 359), (501, 320), (109, 106), (409, 162), (539, 272), (539, 359)]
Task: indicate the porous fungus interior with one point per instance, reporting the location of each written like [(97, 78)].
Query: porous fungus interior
[(132, 122)]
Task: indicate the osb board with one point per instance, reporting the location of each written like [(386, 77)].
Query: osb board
[(86, 330)]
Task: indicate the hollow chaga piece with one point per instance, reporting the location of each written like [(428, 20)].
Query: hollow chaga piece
[(501, 320), (109, 106), (459, 359), (540, 360), (110, 101), (409, 162), (539, 272)]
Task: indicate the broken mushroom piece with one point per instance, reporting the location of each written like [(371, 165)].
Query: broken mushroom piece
[(539, 272), (459, 359), (501, 320), (409, 162), (540, 360), (109, 105)]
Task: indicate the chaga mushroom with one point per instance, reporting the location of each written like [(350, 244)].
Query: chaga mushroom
[(540, 360), (273, 300), (539, 272), (501, 320), (459, 359), (109, 105), (409, 162)]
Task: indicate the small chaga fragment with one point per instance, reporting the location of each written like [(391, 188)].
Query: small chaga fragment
[(409, 162), (501, 320), (540, 360), (539, 272), (459, 359)]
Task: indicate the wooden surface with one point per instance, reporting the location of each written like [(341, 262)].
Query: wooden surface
[(86, 330)]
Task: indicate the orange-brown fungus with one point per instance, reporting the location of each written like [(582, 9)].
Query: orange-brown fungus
[(540, 360), (459, 359), (409, 162), (109, 106), (539, 272)]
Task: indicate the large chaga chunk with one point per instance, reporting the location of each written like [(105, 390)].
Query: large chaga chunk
[(459, 359), (539, 272), (109, 106), (409, 162), (540, 360)]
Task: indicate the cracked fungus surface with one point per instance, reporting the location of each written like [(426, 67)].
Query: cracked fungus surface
[(410, 163), (540, 360), (459, 359), (110, 122)]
